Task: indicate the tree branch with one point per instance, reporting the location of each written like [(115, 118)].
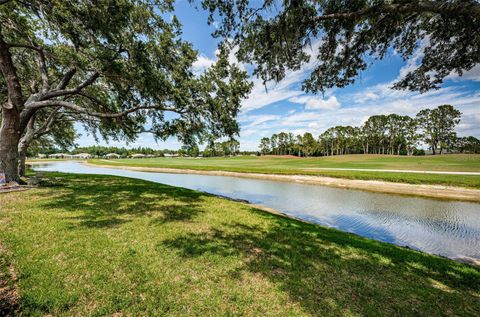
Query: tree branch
[(472, 9), (89, 97), (9, 72), (89, 81), (66, 79), (41, 62), (28, 46), (78, 109), (64, 92), (28, 136), (42, 67), (45, 128)]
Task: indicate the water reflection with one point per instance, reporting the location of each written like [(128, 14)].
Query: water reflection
[(449, 228)]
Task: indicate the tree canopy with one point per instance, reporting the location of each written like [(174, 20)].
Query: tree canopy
[(118, 66), (438, 126), (380, 134), (274, 35)]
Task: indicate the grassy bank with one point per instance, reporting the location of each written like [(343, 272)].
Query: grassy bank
[(306, 166), (101, 245)]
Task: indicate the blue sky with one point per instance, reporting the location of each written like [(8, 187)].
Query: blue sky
[(285, 107)]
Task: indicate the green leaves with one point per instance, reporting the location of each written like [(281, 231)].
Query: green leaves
[(438, 126), (142, 63), (351, 35)]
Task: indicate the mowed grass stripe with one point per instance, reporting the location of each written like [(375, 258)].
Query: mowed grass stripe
[(306, 166)]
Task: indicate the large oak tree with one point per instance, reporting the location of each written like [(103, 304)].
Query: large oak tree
[(118, 66)]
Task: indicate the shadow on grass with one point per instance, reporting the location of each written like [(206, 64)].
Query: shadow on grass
[(107, 202), (8, 288), (335, 273), (324, 271)]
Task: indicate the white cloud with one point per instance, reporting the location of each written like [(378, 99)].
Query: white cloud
[(249, 145), (289, 87), (316, 103), (202, 63), (254, 120), (260, 96), (472, 74), (414, 61), (365, 96)]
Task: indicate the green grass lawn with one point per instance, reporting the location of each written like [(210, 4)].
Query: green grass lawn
[(85, 245), (306, 166)]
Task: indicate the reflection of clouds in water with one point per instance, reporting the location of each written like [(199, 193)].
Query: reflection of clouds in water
[(359, 225), (449, 228), (446, 236), (252, 197), (449, 225)]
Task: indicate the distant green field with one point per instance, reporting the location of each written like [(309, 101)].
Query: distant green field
[(307, 166)]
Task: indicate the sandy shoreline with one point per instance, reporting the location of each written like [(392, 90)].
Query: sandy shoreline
[(432, 191)]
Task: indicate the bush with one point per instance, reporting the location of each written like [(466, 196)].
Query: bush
[(418, 152)]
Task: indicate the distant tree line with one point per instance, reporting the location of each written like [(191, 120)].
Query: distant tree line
[(225, 148), (98, 150), (380, 134)]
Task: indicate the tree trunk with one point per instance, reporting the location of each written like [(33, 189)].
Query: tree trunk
[(22, 151), (10, 125), (9, 138), (21, 163)]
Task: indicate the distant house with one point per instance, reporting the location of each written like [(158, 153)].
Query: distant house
[(170, 155), (42, 156), (112, 156), (59, 155), (82, 156), (138, 155)]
